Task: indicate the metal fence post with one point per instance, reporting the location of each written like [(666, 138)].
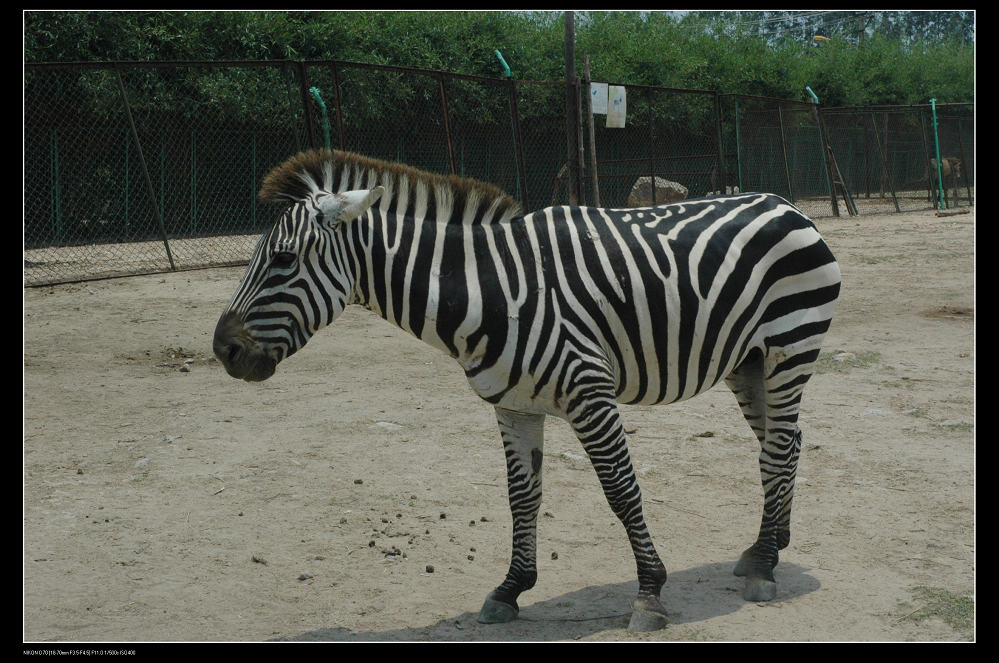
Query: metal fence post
[(339, 107), (930, 187), (964, 163), (825, 151), (571, 111), (447, 125), (652, 147), (303, 84), (56, 189), (128, 177), (145, 170), (738, 147), (325, 121), (519, 145), (720, 144), (593, 138), (253, 180), (783, 149), (884, 162), (194, 182), (941, 197)]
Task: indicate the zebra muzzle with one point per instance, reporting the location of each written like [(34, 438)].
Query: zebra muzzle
[(241, 356)]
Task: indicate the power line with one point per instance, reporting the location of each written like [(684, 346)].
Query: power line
[(808, 22), (811, 26), (785, 18)]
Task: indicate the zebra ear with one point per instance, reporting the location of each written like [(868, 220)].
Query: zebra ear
[(347, 206)]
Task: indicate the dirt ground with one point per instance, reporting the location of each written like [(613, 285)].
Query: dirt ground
[(360, 494)]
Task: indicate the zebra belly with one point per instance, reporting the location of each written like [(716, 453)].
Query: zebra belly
[(634, 377)]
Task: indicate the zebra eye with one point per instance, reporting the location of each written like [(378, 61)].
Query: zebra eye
[(284, 259)]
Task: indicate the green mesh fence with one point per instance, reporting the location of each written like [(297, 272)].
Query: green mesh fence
[(144, 167), (104, 186)]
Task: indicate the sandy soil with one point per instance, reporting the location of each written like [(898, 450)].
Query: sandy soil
[(360, 493)]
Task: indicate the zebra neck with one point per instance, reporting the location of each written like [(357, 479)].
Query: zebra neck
[(423, 275)]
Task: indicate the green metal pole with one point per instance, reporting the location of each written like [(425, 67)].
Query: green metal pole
[(520, 173), (326, 118), (936, 140), (506, 67), (825, 152), (513, 119)]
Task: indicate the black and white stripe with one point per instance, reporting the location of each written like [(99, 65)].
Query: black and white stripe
[(565, 311)]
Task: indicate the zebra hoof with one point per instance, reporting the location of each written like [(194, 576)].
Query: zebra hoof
[(497, 612), (647, 614), (759, 589)]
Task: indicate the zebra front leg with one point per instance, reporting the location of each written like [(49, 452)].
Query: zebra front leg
[(600, 430), (523, 441)]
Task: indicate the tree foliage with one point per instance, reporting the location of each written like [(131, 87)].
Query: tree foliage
[(870, 57)]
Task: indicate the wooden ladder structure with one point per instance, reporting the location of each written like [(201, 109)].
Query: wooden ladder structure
[(837, 180)]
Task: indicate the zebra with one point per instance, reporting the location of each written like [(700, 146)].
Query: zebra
[(564, 312)]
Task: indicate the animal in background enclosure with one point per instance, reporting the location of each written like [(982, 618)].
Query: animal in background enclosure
[(950, 168), (566, 312)]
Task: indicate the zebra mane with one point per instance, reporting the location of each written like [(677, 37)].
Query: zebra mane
[(450, 198)]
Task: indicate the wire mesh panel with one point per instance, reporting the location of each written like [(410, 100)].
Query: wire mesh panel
[(484, 132), (80, 196), (394, 115), (543, 133), (435, 121), (141, 167), (430, 120), (775, 146), (888, 154), (878, 156), (147, 168), (906, 138)]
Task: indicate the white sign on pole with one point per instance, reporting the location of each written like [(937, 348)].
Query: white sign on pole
[(617, 106), (598, 95)]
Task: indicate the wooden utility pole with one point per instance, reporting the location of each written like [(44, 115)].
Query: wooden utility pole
[(572, 110), (593, 139)]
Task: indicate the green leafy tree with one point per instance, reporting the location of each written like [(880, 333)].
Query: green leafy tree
[(871, 57)]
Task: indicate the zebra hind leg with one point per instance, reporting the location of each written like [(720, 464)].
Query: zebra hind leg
[(769, 393), (523, 441)]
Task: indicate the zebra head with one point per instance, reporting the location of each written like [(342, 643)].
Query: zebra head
[(299, 280)]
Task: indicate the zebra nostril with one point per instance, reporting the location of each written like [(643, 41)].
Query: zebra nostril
[(225, 352), (224, 342)]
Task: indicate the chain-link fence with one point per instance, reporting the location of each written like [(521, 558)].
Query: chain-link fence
[(145, 167), (775, 145), (888, 155), (137, 169), (670, 137)]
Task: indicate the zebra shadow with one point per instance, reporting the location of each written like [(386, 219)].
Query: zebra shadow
[(690, 596)]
